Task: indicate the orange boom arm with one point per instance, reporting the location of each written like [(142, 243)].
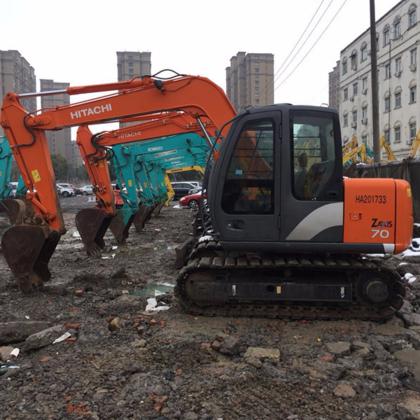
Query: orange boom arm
[(194, 95)]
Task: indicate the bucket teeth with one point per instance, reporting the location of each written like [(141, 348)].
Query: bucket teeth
[(142, 216), (119, 228), (92, 225)]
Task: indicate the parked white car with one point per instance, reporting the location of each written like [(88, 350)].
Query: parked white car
[(65, 190), (86, 189)]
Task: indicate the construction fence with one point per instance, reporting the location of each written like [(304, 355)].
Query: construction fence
[(408, 169)]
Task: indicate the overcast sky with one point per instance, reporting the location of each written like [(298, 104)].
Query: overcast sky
[(76, 41)]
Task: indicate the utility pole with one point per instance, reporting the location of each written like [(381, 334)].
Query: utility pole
[(374, 84)]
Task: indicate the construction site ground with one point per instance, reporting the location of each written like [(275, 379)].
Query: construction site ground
[(119, 361)]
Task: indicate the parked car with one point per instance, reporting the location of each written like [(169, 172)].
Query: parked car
[(65, 190), (86, 190), (191, 200), (182, 188)]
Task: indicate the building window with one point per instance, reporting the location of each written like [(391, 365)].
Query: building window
[(386, 36), (346, 94), (353, 60), (413, 94), (364, 114), (412, 15), (364, 139), (364, 85), (398, 67), (397, 27), (354, 117), (413, 59), (355, 85), (397, 99), (386, 135), (387, 71), (397, 134), (363, 52), (257, 69), (387, 103), (344, 65), (345, 120), (413, 131)]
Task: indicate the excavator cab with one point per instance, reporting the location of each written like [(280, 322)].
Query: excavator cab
[(279, 165)]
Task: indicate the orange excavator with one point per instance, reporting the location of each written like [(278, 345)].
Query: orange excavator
[(285, 233)]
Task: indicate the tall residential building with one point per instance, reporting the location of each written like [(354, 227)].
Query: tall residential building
[(334, 86), (398, 35), (132, 63), (250, 80), (58, 141), (17, 75)]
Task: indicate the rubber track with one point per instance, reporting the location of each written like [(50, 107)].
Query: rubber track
[(216, 260)]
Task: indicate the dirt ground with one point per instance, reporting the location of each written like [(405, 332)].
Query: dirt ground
[(122, 362)]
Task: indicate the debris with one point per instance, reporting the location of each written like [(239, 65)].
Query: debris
[(114, 324), (63, 337), (262, 354), (76, 234), (344, 390), (410, 278), (4, 367), (15, 352), (43, 338), (205, 238), (410, 407), (5, 353), (79, 292), (16, 331), (152, 306), (411, 318), (411, 358), (141, 343), (340, 348)]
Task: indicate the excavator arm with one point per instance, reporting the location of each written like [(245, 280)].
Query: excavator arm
[(195, 96)]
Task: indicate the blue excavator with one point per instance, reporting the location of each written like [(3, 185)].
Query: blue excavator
[(142, 167)]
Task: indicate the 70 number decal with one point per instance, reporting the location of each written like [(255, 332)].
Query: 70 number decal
[(380, 233)]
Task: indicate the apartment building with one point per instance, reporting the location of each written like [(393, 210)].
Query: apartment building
[(334, 86), (17, 75), (132, 63), (250, 80), (398, 38), (58, 141)]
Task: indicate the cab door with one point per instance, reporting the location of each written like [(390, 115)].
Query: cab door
[(245, 181)]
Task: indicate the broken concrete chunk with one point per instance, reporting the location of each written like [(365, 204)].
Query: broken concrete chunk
[(340, 348), (344, 390), (261, 353), (43, 338), (411, 319), (5, 353), (411, 358), (15, 331)]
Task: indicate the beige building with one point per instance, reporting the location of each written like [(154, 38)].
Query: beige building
[(58, 141), (131, 64), (250, 80), (398, 34), (17, 75)]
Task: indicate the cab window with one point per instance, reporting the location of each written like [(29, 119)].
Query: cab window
[(249, 183), (313, 156)]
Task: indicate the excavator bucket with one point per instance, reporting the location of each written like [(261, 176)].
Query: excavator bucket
[(28, 245), (92, 225), (142, 216), (157, 209), (119, 227)]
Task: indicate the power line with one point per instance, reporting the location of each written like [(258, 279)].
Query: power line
[(312, 46), (301, 36), (305, 40)]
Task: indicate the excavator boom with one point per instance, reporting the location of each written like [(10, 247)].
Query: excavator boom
[(40, 214)]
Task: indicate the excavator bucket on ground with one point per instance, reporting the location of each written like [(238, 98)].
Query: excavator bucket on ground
[(28, 245), (120, 225), (92, 224), (142, 216)]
